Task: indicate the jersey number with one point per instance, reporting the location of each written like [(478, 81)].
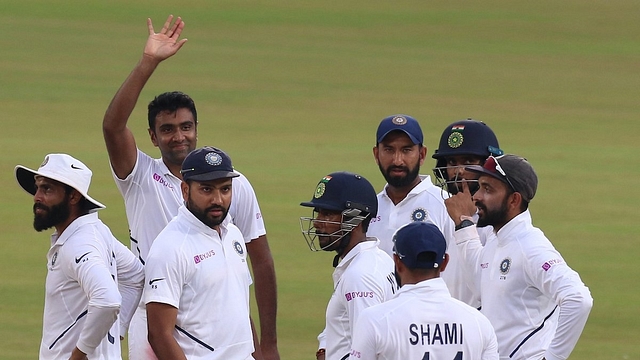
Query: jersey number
[(458, 356)]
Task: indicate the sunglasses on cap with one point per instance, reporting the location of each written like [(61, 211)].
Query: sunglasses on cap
[(493, 165)]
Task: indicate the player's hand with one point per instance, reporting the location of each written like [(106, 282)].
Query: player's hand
[(460, 204), (76, 354), (165, 43)]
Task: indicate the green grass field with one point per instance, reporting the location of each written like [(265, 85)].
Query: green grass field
[(294, 90)]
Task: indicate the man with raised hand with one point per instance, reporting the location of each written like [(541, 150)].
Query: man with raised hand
[(151, 187)]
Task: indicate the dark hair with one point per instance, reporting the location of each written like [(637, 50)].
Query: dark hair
[(170, 102), (84, 205)]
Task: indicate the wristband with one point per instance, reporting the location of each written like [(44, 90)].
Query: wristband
[(464, 224)]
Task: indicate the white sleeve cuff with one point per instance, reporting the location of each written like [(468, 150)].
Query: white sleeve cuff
[(99, 321)]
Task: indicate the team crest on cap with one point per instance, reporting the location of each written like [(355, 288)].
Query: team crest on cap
[(238, 248), (321, 187), (45, 161), (455, 140), (399, 120), (213, 159), (419, 214), (505, 266)]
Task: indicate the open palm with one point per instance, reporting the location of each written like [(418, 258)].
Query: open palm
[(165, 43)]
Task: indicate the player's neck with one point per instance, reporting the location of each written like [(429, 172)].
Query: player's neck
[(397, 194)]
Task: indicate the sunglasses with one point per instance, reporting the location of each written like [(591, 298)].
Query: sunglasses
[(493, 165)]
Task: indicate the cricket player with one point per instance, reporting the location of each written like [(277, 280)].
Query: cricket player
[(343, 204), (93, 283), (151, 187), (197, 289), (422, 321), (536, 303), (463, 143), (409, 196)]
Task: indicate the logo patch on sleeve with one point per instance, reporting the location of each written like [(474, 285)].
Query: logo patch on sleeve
[(547, 265)]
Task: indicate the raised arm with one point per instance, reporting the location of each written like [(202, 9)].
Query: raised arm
[(120, 141)]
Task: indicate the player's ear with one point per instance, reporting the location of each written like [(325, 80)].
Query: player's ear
[(375, 154), (423, 153), (154, 138), (445, 262), (184, 186)]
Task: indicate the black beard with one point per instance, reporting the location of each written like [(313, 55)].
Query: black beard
[(400, 181), (54, 215), (494, 218), (202, 214)]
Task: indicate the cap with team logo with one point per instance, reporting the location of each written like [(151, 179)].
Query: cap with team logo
[(62, 168), (420, 245), (207, 163), (404, 123)]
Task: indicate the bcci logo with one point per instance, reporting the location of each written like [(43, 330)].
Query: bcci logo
[(419, 214), (213, 159), (319, 190), (505, 265), (399, 120), (238, 248), (455, 140), (321, 187)]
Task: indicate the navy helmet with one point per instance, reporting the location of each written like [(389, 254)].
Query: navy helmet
[(463, 137), (350, 194)]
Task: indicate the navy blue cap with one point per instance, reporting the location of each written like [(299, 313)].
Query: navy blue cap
[(416, 238), (207, 163), (344, 190), (404, 123)]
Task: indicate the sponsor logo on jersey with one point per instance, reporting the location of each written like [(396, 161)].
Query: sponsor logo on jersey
[(358, 294), (151, 282), (238, 248), (455, 140), (375, 219), (78, 259), (505, 266), (198, 258), (161, 180), (547, 265), (419, 214)]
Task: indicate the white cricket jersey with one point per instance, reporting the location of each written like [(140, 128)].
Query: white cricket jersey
[(364, 277), (423, 321), (423, 203), (206, 277), (152, 196), (87, 266), (536, 303)]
